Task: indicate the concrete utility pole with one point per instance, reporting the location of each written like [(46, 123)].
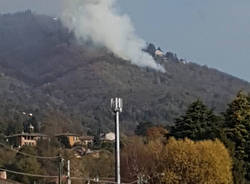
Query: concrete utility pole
[(116, 105), (68, 172), (60, 169)]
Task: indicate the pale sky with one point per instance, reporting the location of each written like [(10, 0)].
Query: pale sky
[(212, 32)]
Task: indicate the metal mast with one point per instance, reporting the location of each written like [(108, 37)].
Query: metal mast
[(116, 105)]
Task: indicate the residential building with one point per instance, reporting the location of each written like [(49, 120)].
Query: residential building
[(68, 139), (19, 140), (108, 137), (87, 140)]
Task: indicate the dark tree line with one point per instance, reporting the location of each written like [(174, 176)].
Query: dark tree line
[(232, 127)]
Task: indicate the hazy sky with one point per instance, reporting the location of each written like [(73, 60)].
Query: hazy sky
[(212, 32)]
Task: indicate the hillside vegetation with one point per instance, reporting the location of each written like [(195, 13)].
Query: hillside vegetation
[(44, 70)]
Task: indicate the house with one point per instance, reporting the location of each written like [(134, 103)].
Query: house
[(27, 137), (159, 53), (19, 140), (87, 140), (3, 175), (68, 139), (108, 137), (4, 180)]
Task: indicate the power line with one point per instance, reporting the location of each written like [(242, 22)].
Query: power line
[(106, 178), (133, 182), (72, 178), (28, 174), (94, 180), (28, 155), (47, 176), (100, 181)]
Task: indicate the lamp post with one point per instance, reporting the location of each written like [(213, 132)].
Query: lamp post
[(116, 105)]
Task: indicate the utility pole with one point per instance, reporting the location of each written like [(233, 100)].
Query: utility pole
[(68, 172), (116, 105), (60, 169)]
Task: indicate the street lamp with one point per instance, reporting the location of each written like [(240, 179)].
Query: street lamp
[(116, 105)]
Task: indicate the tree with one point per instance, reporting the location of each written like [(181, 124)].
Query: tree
[(101, 165), (49, 148), (136, 160), (177, 162), (6, 157), (142, 128), (237, 127), (198, 123), (14, 127), (156, 132), (188, 162), (55, 122), (151, 49), (27, 165)]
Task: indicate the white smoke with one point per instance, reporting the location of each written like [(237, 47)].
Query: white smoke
[(98, 21)]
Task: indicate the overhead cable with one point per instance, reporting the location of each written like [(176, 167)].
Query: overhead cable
[(72, 178), (99, 181), (27, 174), (28, 155)]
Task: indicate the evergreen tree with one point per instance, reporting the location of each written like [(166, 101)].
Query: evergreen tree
[(142, 127), (151, 49), (237, 127), (14, 126), (198, 123)]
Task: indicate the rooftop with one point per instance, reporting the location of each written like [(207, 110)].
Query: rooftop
[(67, 134), (27, 134)]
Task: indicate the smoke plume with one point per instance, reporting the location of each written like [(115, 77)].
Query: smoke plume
[(99, 21)]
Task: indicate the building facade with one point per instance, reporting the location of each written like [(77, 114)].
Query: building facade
[(19, 140)]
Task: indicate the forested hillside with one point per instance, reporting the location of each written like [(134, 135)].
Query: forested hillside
[(44, 70)]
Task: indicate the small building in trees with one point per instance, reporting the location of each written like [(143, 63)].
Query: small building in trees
[(19, 140), (3, 175), (108, 137), (87, 140), (159, 53), (68, 139), (72, 139), (27, 137), (4, 180)]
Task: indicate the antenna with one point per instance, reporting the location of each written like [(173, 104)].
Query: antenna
[(117, 105)]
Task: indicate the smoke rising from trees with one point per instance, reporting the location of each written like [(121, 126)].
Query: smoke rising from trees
[(99, 21)]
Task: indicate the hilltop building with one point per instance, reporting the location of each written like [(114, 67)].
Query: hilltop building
[(159, 53)]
